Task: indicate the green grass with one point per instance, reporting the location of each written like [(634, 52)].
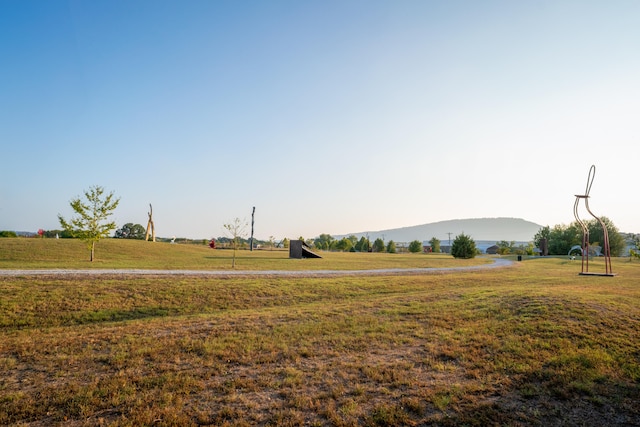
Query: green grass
[(21, 253), (534, 344)]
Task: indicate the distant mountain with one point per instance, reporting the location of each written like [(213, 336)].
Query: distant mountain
[(489, 229)]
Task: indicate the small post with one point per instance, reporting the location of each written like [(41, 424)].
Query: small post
[(253, 212)]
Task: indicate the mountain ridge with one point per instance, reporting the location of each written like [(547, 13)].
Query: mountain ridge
[(491, 229)]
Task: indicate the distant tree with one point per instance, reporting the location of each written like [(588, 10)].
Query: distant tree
[(353, 239), (525, 249), (344, 245), (505, 248), (543, 233), (6, 233), (285, 243), (391, 247), (235, 230), (378, 245), (563, 237), (463, 247), (363, 245), (616, 241), (635, 251), (324, 241), (131, 231), (435, 245), (62, 234), (415, 247), (91, 223)]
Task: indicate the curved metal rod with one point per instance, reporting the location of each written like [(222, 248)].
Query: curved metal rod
[(605, 244), (585, 234), (590, 178)]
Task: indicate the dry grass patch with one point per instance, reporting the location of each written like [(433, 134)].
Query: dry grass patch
[(530, 345)]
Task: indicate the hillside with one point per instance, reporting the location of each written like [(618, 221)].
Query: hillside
[(491, 229)]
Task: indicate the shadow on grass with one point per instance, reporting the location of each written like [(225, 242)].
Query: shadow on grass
[(247, 257), (113, 315)]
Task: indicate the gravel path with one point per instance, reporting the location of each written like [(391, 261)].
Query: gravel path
[(497, 263)]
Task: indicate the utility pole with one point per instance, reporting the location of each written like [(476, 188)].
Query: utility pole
[(253, 212), (449, 233)]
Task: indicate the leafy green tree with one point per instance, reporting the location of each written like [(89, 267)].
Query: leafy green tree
[(6, 233), (616, 241), (435, 245), (363, 245), (235, 230), (415, 247), (543, 233), (131, 231), (463, 246), (505, 248), (378, 245), (635, 251), (343, 244), (62, 234), (324, 241), (562, 238), (91, 223), (391, 247)]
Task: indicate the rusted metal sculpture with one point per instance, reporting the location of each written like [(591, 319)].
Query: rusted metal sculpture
[(585, 231), (150, 226)]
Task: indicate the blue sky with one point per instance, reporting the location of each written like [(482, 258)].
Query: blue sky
[(327, 116)]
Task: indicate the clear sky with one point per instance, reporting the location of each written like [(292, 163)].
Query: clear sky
[(327, 116)]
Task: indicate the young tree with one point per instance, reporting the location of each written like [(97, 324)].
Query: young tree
[(415, 247), (391, 247), (505, 248), (90, 225), (344, 244), (235, 230), (463, 247), (435, 245), (324, 241), (378, 245), (363, 245)]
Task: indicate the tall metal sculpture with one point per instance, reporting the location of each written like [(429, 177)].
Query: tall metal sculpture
[(585, 230), (151, 226)]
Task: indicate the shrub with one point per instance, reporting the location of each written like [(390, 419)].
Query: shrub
[(5, 233), (391, 247), (415, 247), (463, 247)]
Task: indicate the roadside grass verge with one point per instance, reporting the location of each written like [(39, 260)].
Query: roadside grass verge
[(21, 253), (535, 344)]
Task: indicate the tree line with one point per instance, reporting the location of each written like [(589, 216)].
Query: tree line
[(561, 238), (91, 224)]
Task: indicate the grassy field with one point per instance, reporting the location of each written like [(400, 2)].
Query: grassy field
[(20, 253), (532, 344)]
